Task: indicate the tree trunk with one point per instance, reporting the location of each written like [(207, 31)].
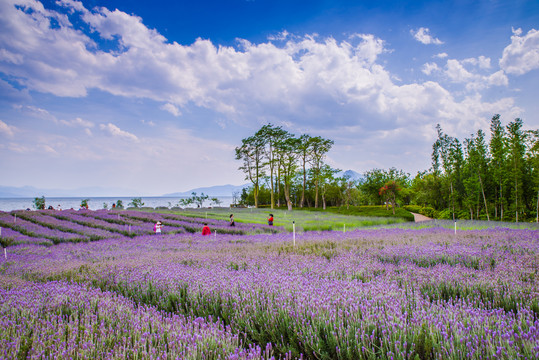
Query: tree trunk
[(484, 198), (302, 201), (287, 196), (316, 194), (452, 200), (501, 202)]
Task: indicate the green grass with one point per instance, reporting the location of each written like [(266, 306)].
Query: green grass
[(306, 219)]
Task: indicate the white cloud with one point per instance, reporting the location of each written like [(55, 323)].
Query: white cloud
[(440, 55), (305, 80), (522, 55), (481, 61), (78, 122), (117, 132), (171, 109), (456, 72), (147, 122), (6, 129), (422, 35), (283, 35), (429, 68)]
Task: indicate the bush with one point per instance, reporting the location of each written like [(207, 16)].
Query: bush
[(413, 208), (429, 212)]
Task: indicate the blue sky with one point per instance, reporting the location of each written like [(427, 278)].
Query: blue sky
[(154, 96)]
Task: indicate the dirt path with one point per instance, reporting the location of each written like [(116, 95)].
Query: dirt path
[(419, 217)]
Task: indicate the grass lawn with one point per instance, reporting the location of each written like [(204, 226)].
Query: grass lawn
[(307, 219)]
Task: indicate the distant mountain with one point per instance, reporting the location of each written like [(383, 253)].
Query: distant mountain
[(30, 192), (219, 190), (353, 175)]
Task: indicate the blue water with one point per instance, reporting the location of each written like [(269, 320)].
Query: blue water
[(95, 203)]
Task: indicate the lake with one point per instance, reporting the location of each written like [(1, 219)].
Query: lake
[(95, 203)]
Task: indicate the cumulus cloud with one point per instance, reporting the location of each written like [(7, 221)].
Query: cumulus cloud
[(481, 61), (457, 72), (429, 68), (522, 55), (305, 78), (6, 129), (117, 132), (422, 35)]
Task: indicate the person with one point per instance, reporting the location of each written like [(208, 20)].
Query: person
[(270, 220), (50, 207), (113, 205), (206, 230), (232, 223), (59, 208), (157, 227)]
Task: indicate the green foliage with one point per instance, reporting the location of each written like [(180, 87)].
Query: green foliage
[(6, 241), (39, 203), (136, 203), (119, 204), (84, 203)]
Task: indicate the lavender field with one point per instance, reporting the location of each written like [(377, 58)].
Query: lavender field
[(100, 284)]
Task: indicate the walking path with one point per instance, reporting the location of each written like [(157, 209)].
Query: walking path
[(419, 217)]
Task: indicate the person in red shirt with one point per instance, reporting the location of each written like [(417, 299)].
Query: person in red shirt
[(270, 220), (206, 229)]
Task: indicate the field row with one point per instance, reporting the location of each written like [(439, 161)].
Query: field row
[(52, 227), (369, 294)]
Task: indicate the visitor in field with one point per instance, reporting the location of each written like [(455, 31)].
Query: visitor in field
[(59, 208), (113, 205), (157, 227), (206, 230), (232, 223), (270, 220)]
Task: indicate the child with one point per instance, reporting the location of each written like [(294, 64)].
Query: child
[(206, 230), (270, 220), (232, 223), (157, 227)]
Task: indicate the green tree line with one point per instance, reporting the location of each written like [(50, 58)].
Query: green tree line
[(474, 178)]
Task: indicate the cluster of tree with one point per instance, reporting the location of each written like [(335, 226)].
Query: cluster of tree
[(496, 179), (475, 179), (198, 200), (286, 164)]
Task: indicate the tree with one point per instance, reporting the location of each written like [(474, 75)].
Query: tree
[(390, 191), (194, 199), (376, 179), (318, 150), (303, 151), (326, 177), (271, 136), (449, 150), (251, 153), (516, 139), (119, 204), (288, 154), (39, 203), (136, 203), (498, 151), (533, 156)]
